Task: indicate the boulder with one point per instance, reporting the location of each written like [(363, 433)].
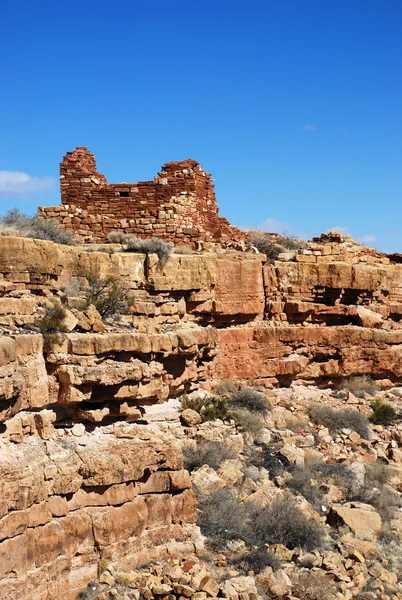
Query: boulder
[(361, 519)]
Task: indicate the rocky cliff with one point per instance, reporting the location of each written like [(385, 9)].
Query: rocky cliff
[(84, 477)]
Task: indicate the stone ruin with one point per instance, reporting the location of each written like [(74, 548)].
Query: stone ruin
[(179, 205)]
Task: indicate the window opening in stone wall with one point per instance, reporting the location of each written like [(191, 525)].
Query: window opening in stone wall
[(124, 194)]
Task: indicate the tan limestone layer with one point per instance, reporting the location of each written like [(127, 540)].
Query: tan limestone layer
[(307, 352), (67, 503)]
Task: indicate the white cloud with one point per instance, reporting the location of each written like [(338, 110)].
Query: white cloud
[(339, 229), (309, 127), (17, 184), (368, 239), (274, 226)]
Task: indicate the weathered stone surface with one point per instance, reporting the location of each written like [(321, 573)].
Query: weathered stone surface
[(307, 353), (361, 519), (64, 506)]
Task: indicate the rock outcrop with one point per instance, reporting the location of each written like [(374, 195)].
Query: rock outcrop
[(84, 476)]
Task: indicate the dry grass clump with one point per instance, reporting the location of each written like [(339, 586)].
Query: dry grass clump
[(151, 245), (117, 237), (336, 420), (212, 453), (257, 560), (313, 585), (248, 399), (183, 249), (390, 546), (283, 522), (250, 422), (360, 385), (307, 480), (223, 517), (377, 491), (272, 245), (16, 223)]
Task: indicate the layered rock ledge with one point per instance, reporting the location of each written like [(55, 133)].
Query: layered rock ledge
[(83, 476)]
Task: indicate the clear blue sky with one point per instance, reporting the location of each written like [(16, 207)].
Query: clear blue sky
[(294, 106)]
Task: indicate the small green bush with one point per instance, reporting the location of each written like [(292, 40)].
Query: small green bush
[(19, 224), (336, 420), (383, 412), (108, 295), (52, 321), (210, 408)]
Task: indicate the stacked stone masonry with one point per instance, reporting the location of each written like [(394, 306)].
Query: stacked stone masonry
[(179, 206)]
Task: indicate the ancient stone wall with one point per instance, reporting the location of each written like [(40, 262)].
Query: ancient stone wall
[(179, 205)]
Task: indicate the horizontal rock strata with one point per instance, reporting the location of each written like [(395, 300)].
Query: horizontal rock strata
[(83, 477)]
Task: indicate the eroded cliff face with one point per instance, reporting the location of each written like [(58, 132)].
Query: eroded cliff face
[(83, 477)]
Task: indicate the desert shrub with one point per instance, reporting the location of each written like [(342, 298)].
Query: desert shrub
[(313, 585), (117, 237), (183, 249), (272, 245), (265, 244), (52, 321), (17, 223), (248, 399), (222, 517), (227, 387), (211, 453), (383, 412), (194, 402), (149, 246), (210, 408), (377, 474), (360, 385), (376, 491), (283, 522), (250, 422), (336, 420), (108, 295), (257, 560), (390, 546), (307, 480), (270, 458)]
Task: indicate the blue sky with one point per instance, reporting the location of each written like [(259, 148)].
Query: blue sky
[(295, 106)]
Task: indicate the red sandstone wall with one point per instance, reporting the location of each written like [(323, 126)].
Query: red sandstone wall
[(179, 205)]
